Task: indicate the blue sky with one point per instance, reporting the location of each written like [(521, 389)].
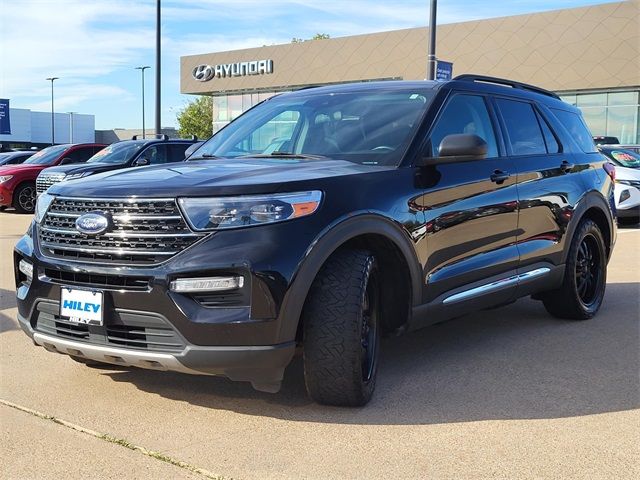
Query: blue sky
[(94, 45)]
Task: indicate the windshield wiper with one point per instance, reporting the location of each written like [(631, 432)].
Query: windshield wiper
[(303, 156), (204, 156)]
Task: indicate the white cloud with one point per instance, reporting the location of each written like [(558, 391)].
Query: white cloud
[(93, 45)]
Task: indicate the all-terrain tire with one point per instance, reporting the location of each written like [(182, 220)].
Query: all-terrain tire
[(341, 330), (582, 291)]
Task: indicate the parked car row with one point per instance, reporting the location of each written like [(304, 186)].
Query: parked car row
[(124, 154), (24, 175), (14, 158)]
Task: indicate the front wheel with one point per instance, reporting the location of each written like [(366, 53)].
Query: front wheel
[(342, 330), (585, 276), (24, 198)]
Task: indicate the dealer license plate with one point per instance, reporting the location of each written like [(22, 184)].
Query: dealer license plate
[(81, 306)]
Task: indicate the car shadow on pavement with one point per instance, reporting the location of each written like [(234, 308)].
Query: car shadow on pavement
[(515, 362), (7, 302)]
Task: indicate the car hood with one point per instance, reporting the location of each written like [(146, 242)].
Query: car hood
[(209, 177), (21, 168), (84, 168), (626, 173)]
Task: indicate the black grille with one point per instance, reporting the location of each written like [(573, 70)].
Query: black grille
[(143, 231), (134, 330), (212, 300), (96, 280)]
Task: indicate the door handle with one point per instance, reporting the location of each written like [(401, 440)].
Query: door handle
[(566, 167), (498, 176)]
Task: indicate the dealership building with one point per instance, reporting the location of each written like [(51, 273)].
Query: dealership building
[(33, 129), (590, 56)]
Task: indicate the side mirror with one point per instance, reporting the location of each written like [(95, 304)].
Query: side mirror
[(141, 162), (67, 161), (458, 147)]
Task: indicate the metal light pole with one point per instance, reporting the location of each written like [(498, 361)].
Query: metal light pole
[(142, 69), (158, 127), (431, 58), (53, 137), (71, 126)]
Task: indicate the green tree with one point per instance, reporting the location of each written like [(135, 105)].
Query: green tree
[(317, 36), (196, 118)]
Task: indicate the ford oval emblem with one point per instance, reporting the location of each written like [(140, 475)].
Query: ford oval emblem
[(92, 223)]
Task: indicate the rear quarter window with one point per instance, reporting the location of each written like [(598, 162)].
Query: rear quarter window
[(576, 127)]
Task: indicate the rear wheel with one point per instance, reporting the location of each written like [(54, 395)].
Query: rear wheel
[(585, 276), (342, 330), (24, 198)]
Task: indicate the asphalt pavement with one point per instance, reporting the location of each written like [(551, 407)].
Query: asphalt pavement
[(506, 393)]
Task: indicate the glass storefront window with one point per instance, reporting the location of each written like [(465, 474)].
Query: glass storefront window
[(622, 98), (610, 113), (621, 123), (596, 119), (592, 100)]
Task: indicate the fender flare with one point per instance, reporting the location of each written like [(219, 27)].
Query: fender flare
[(590, 200), (327, 242)]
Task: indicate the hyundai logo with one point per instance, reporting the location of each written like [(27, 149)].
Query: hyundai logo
[(203, 73), (92, 223)]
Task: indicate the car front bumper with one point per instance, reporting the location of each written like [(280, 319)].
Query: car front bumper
[(6, 195), (150, 326), (630, 204)]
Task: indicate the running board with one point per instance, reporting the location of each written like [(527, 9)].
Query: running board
[(495, 285)]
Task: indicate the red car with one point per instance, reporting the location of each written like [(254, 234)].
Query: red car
[(18, 182)]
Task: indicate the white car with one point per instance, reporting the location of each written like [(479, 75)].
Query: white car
[(627, 189)]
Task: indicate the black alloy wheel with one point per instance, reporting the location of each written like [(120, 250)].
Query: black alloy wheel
[(585, 276), (25, 198)]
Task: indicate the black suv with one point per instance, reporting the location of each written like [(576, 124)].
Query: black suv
[(127, 153), (386, 206)]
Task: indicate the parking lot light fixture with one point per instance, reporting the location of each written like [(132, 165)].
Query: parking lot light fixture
[(142, 69), (53, 136)]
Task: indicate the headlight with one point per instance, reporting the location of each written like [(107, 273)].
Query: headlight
[(216, 213), (631, 183), (42, 205), (73, 176), (5, 178)]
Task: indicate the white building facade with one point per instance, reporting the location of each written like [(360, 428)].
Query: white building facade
[(34, 128)]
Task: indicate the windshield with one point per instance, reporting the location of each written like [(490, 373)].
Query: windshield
[(366, 127), (624, 158), (46, 156), (120, 152)]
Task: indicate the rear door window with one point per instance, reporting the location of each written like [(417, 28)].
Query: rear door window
[(577, 129), (464, 113), (522, 127)]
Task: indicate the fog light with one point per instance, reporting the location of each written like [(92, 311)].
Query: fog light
[(26, 268), (206, 284), (625, 195)]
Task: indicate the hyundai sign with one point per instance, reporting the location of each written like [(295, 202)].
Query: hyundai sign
[(204, 73), (5, 125)]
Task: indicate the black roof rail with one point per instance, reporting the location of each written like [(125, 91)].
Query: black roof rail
[(470, 77), (160, 136)]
